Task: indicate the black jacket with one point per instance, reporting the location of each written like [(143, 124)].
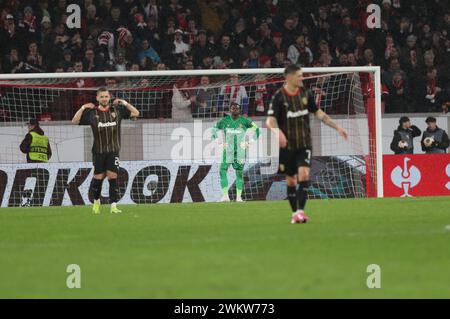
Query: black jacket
[(440, 144), (406, 135)]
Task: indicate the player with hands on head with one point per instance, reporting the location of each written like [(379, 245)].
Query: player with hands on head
[(105, 121)]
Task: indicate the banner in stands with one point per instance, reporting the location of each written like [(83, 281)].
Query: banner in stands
[(416, 175), (146, 182)]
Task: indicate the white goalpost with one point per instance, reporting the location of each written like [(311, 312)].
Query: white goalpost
[(167, 155)]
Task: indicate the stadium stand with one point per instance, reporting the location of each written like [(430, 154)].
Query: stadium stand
[(412, 46)]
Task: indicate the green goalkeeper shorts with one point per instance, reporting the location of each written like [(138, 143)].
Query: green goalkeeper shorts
[(237, 165)]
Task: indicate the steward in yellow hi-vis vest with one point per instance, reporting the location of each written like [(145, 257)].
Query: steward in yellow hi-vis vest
[(36, 144)]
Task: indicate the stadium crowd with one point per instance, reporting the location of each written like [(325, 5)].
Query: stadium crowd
[(412, 46)]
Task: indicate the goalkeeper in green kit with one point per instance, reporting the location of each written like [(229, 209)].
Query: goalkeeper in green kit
[(234, 128)]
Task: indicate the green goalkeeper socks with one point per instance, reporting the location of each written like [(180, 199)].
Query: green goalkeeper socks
[(225, 191), (224, 182), (239, 182)]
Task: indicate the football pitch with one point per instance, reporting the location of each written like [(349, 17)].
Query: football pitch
[(229, 250)]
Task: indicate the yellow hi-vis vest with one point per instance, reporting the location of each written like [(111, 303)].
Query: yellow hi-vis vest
[(38, 147)]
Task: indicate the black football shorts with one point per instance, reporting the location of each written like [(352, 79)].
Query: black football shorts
[(291, 160), (106, 162)]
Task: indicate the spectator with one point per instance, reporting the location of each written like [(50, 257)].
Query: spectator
[(121, 64), (325, 60), (343, 60), (369, 57), (115, 20), (280, 60), (207, 63), (265, 62), (202, 48), (113, 86), (67, 56), (50, 57), (345, 35), (151, 32), (288, 30), (433, 88), (351, 58), (34, 58), (411, 46), (43, 6), (92, 63), (10, 36), (152, 11), (78, 66), (323, 23), (148, 51), (61, 39), (394, 66), (277, 45), (412, 39), (35, 144), (295, 50), (109, 43), (428, 59), (189, 65), (91, 17), (260, 95), (134, 67), (180, 46), (161, 67), (13, 63), (76, 45), (28, 25), (360, 46), (240, 33), (57, 11), (252, 61), (398, 101), (181, 101), (227, 50), (233, 92), (434, 139), (323, 48), (402, 142), (105, 9), (264, 41), (59, 68), (406, 29), (203, 99)]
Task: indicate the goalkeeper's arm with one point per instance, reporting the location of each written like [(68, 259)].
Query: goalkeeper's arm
[(256, 131), (217, 127)]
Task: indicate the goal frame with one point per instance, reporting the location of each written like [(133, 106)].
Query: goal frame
[(375, 70)]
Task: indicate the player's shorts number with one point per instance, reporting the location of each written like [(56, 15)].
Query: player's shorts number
[(308, 159), (117, 161)]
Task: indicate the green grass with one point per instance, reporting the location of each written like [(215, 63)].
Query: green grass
[(229, 250)]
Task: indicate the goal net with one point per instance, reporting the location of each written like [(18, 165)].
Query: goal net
[(168, 154)]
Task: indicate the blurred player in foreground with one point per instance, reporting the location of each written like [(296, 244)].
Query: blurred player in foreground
[(288, 116)]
